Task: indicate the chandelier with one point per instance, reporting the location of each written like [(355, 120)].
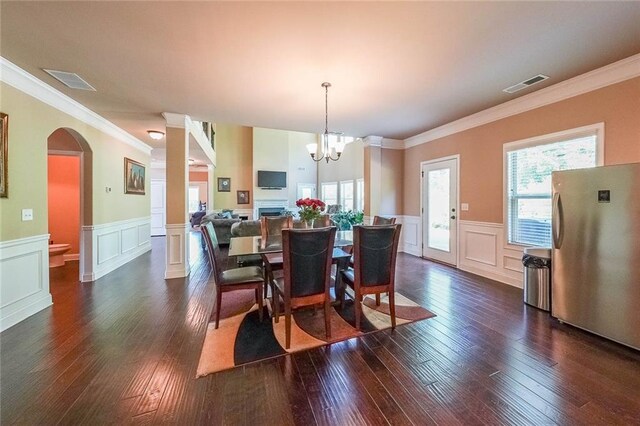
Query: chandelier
[(325, 151)]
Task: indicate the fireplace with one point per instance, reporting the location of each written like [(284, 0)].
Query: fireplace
[(270, 211), (262, 207)]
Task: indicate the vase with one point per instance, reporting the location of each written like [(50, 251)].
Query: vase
[(308, 223)]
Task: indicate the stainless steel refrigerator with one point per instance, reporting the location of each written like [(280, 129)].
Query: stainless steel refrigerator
[(596, 251)]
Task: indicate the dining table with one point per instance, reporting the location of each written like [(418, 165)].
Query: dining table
[(254, 245)]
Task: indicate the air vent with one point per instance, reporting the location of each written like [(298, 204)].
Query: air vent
[(70, 79), (523, 85)]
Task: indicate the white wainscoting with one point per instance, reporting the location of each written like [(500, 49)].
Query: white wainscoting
[(411, 234), (114, 244), (482, 251), (24, 278), (177, 250)]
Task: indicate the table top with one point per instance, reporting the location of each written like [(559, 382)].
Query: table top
[(243, 246)]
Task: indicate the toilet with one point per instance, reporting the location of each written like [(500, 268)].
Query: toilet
[(56, 254)]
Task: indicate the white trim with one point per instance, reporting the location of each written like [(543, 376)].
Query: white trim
[(437, 160), (24, 278), (616, 72), (177, 250), (392, 143), (111, 245), (482, 253), (411, 234), (596, 129), (372, 141), (20, 79)]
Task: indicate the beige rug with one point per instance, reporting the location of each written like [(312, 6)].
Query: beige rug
[(241, 338)]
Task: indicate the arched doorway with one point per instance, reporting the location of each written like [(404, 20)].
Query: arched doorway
[(66, 142)]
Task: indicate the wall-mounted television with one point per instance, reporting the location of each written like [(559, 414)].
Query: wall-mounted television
[(269, 179)]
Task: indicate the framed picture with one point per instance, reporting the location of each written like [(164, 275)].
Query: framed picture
[(224, 184), (4, 155), (243, 197), (134, 179)]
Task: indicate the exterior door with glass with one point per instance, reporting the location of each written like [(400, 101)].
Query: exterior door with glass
[(440, 210)]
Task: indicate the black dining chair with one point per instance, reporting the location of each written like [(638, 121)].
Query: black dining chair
[(381, 220), (272, 226), (375, 251), (250, 277), (306, 281)]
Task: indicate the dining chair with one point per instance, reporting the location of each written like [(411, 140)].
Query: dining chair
[(323, 221), (375, 251), (272, 226), (381, 220), (250, 277), (308, 256)]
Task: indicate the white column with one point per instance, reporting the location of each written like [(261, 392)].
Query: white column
[(178, 226)]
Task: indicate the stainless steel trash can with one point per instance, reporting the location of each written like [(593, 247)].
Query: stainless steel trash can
[(537, 277)]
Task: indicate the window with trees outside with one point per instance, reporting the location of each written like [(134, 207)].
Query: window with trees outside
[(528, 175), (360, 195), (194, 199), (330, 192), (346, 195)]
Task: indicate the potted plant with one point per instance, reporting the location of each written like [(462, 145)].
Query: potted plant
[(310, 210), (345, 220)]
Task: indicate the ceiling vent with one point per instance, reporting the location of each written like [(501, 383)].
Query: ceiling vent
[(523, 85), (70, 79)]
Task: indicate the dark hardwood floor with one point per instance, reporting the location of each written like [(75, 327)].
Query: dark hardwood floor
[(124, 349)]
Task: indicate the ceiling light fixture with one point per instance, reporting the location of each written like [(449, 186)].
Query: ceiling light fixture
[(155, 134), (325, 152)]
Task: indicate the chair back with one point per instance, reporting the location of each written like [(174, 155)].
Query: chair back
[(307, 257), (272, 226), (322, 222), (375, 252), (213, 249), (379, 220)]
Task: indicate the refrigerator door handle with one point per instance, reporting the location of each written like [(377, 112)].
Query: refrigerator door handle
[(557, 231)]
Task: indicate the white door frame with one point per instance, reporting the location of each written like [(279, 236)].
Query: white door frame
[(82, 255), (455, 157)]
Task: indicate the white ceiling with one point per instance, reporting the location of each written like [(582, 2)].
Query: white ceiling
[(397, 69)]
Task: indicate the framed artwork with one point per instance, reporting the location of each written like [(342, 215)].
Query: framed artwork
[(4, 155), (134, 177), (243, 197), (224, 184)]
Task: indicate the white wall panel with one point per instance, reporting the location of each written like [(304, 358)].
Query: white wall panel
[(24, 279)]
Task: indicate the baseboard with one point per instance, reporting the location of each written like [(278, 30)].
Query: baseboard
[(496, 276), (23, 313), (72, 256)]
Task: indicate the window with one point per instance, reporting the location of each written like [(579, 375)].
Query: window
[(528, 176), (330, 193), (194, 199), (360, 195), (346, 195)]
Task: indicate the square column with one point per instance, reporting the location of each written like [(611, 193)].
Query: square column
[(178, 226)]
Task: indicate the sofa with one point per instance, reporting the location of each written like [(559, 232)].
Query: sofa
[(222, 223)]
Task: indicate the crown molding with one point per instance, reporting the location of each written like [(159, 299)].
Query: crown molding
[(18, 78), (616, 72), (176, 120), (372, 141), (392, 143)]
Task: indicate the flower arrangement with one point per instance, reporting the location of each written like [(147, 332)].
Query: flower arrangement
[(310, 209)]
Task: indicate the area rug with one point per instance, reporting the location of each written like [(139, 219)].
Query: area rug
[(241, 338)]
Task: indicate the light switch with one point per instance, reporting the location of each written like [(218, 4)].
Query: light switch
[(27, 214), (464, 207)]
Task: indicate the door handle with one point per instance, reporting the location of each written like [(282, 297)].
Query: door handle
[(557, 230), (453, 217)]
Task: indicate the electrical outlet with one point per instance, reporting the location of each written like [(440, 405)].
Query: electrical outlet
[(464, 207), (27, 214)]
